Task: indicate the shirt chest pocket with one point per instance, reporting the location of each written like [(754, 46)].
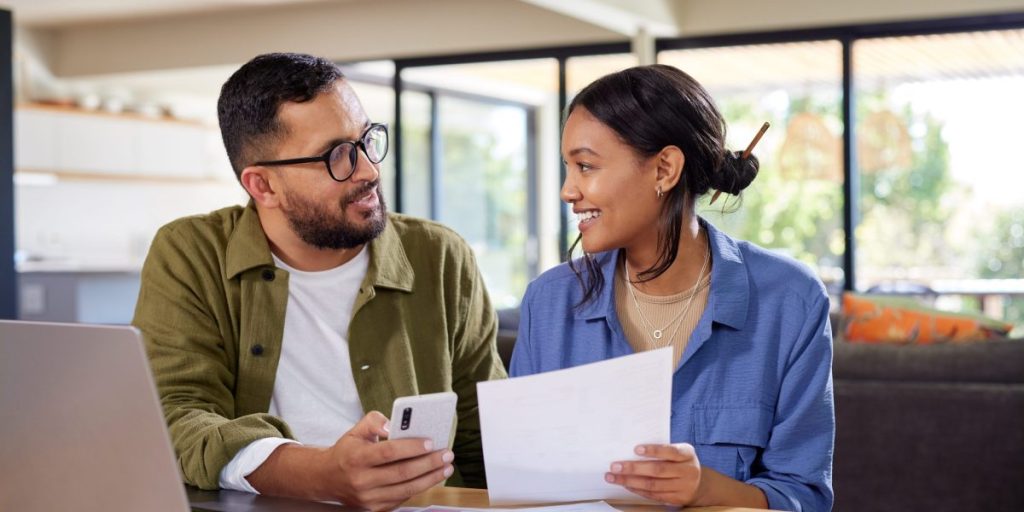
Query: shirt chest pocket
[(729, 439)]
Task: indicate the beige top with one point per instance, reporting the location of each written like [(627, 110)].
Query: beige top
[(660, 312)]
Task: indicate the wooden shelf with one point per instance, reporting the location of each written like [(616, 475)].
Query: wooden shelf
[(71, 176), (134, 116), (73, 144)]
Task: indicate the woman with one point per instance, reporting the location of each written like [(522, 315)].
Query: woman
[(752, 417)]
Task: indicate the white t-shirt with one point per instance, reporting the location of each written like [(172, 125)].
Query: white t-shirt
[(314, 390)]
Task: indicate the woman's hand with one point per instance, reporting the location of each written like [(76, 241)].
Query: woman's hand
[(673, 476)]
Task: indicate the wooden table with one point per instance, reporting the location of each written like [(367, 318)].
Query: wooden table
[(477, 498), (231, 501)]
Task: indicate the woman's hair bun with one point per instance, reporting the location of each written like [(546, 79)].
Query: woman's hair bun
[(736, 173)]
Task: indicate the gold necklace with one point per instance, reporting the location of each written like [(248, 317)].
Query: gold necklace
[(656, 334)]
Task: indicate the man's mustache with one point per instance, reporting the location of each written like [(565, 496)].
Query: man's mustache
[(360, 192)]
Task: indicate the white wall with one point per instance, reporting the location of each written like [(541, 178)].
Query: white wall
[(105, 224)]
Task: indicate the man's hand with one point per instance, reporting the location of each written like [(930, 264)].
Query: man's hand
[(359, 470), (365, 472)]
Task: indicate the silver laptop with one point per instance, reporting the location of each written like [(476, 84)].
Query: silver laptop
[(80, 422)]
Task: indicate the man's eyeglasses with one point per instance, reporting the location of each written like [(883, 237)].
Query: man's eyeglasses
[(341, 159)]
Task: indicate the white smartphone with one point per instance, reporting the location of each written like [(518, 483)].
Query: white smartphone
[(429, 416)]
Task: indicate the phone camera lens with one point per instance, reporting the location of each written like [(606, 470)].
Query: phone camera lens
[(406, 418)]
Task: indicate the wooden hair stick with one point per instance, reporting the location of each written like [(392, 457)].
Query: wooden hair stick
[(746, 154)]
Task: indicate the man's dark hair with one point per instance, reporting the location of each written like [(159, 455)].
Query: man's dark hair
[(248, 103)]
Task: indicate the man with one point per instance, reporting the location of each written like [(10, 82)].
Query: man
[(287, 319)]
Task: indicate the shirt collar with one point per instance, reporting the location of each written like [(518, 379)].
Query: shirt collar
[(730, 288), (248, 248), (247, 244), (389, 263)]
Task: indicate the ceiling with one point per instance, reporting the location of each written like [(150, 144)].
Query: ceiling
[(806, 65), (622, 16), (54, 13)]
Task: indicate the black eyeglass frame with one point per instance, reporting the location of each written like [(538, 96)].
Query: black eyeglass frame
[(353, 159)]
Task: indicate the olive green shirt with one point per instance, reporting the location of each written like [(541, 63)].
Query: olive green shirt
[(212, 307)]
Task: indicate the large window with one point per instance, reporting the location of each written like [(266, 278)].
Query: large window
[(795, 204), (416, 154), (478, 145), (937, 130), (581, 71), (484, 189)]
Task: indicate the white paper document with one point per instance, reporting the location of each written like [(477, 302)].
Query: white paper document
[(552, 437)]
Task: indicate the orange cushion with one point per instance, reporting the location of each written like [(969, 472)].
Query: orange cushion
[(878, 319)]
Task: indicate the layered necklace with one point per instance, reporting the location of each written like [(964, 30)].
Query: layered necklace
[(656, 333)]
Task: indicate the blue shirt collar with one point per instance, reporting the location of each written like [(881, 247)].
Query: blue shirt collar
[(730, 288)]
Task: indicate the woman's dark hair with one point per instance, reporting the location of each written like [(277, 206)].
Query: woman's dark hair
[(248, 103), (650, 108)]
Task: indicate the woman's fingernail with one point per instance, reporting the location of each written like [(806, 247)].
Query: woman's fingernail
[(640, 450), (609, 478), (387, 427), (616, 468), (448, 456), (448, 470)]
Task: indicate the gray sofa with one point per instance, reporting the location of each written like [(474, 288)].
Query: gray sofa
[(931, 428)]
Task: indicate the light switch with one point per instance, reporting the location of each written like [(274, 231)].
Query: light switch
[(33, 299)]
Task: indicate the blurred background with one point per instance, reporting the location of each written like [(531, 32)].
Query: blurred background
[(892, 169), (891, 164)]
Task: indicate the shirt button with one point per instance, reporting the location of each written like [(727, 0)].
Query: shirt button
[(268, 275), (364, 367), (257, 349)]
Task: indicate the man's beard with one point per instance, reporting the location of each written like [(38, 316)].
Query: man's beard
[(325, 227)]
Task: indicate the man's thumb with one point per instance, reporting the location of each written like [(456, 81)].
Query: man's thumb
[(372, 426)]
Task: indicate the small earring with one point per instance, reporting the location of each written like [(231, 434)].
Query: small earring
[(660, 193)]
